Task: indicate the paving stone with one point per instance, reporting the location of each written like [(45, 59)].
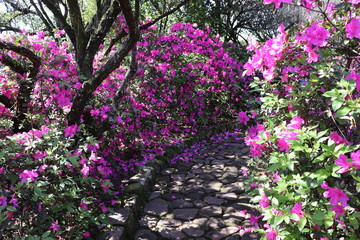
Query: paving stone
[(199, 203), (210, 211), (215, 223), (178, 177), (145, 234), (167, 171), (206, 176), (214, 200), (236, 187), (194, 231), (154, 195), (168, 222), (121, 217), (202, 199), (172, 196), (227, 196), (172, 234), (221, 233), (213, 185), (197, 196), (157, 206), (185, 213), (148, 221), (181, 203), (201, 222)]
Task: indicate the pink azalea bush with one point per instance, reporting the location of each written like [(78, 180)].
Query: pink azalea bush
[(307, 131), (185, 81)]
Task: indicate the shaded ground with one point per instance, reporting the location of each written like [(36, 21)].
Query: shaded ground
[(203, 198)]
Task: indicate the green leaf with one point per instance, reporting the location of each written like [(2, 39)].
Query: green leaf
[(11, 208), (332, 93), (354, 222), (302, 223), (274, 202), (294, 216), (278, 220), (343, 111), (74, 160), (38, 192), (337, 103)]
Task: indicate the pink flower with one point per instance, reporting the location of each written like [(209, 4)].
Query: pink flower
[(63, 100), (353, 28), (31, 175), (55, 226), (337, 138), (71, 130), (83, 205), (355, 156), (277, 2), (85, 171), (265, 201), (276, 177), (316, 35), (324, 238), (283, 145), (42, 168), (243, 118), (297, 209), (1, 170), (270, 233), (254, 220), (14, 201), (86, 234), (342, 162), (296, 123), (356, 77), (103, 208), (3, 201), (339, 210), (336, 195), (354, 1), (40, 155)]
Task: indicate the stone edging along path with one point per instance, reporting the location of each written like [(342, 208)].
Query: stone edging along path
[(199, 196)]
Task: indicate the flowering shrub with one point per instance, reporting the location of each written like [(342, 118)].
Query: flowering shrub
[(308, 130), (185, 81)]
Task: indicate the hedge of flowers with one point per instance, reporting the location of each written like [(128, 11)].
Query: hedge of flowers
[(59, 181), (307, 133)]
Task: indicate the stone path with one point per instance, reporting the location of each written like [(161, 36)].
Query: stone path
[(200, 199)]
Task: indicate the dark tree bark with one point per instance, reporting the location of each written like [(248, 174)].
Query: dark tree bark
[(26, 84), (86, 40)]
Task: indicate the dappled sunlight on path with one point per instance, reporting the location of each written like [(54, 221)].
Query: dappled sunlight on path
[(201, 198)]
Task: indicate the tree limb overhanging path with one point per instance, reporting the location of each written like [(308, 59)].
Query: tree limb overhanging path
[(203, 198)]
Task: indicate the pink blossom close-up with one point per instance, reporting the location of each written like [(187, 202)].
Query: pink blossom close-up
[(31, 175), (316, 35), (353, 29), (336, 195)]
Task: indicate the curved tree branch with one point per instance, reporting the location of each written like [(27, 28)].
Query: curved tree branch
[(145, 26)]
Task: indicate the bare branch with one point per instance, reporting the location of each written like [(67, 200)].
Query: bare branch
[(102, 29), (25, 52), (145, 26), (61, 20)]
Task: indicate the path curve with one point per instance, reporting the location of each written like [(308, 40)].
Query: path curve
[(203, 198)]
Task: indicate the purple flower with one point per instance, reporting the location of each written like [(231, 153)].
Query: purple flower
[(31, 175), (336, 195)]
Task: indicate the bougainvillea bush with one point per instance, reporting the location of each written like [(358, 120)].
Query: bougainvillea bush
[(308, 128), (59, 181)]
